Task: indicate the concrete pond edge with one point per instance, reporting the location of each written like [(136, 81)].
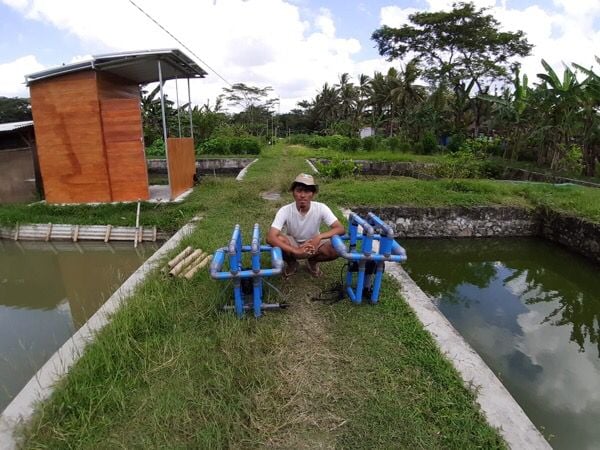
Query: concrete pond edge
[(497, 405), (41, 385)]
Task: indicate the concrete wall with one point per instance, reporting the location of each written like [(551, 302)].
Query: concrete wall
[(577, 234), (205, 166)]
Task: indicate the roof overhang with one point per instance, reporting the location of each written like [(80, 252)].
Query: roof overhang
[(140, 67), (12, 126)]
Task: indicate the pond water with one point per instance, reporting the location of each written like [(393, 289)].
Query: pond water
[(531, 309), (47, 291)]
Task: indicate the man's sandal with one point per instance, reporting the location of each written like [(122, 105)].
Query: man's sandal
[(290, 269)]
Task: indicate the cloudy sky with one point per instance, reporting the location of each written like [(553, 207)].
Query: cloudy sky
[(292, 45)]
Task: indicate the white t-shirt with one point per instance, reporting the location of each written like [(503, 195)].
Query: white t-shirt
[(303, 227)]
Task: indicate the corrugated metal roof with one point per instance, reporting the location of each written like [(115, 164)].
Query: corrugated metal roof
[(138, 66), (11, 126)]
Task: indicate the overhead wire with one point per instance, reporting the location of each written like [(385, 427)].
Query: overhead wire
[(179, 42)]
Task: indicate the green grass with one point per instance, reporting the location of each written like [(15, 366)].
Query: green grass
[(376, 155), (173, 371)]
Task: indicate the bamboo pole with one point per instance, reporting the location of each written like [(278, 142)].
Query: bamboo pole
[(184, 262), (191, 272), (137, 226), (186, 251), (107, 233), (49, 233), (76, 234)]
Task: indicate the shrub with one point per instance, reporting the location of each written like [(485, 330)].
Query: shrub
[(156, 150), (336, 141), (337, 168), (230, 146), (456, 141), (429, 143), (244, 146), (215, 146), (392, 143), (298, 139), (483, 145), (317, 142), (351, 145), (369, 143), (462, 164)]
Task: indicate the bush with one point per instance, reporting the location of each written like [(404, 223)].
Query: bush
[(230, 146), (299, 139), (483, 145), (351, 145), (244, 146), (456, 142), (336, 141), (369, 143), (215, 146), (317, 142), (337, 168), (156, 150), (462, 164), (429, 143)]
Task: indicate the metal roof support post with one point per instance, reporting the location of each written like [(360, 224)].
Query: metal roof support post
[(164, 119), (190, 111), (177, 101)]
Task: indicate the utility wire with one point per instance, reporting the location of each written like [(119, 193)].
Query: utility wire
[(178, 41)]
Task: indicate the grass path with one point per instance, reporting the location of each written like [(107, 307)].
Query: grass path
[(173, 371)]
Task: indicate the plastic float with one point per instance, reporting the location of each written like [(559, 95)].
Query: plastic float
[(247, 282), (368, 264)]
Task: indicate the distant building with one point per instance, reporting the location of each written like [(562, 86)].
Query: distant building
[(18, 163), (366, 132)]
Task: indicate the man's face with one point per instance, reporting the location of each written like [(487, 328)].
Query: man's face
[(303, 196)]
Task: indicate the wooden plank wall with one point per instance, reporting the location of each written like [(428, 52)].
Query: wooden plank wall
[(68, 130), (123, 137), (181, 165)]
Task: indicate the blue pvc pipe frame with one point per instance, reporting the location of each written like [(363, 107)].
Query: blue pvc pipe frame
[(234, 251), (374, 229)]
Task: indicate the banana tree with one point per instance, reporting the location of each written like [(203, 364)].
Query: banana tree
[(562, 99), (590, 106)]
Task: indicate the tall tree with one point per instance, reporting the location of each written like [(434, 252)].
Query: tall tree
[(14, 109), (460, 47)]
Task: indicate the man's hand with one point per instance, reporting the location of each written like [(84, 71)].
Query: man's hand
[(307, 249)]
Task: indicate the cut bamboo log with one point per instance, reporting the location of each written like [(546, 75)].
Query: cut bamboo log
[(49, 233), (107, 234), (184, 262), (185, 252), (190, 273)]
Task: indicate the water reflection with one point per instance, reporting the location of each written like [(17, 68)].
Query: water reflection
[(47, 291), (531, 309)]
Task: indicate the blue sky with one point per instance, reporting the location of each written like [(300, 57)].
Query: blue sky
[(293, 45)]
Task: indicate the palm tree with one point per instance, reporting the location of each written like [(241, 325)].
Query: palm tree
[(327, 105)]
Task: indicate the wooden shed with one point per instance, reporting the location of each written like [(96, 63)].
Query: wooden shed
[(88, 127)]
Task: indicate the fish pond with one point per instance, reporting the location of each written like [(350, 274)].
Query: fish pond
[(531, 309), (47, 292)]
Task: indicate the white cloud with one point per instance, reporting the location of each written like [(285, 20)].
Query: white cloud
[(268, 42), (256, 42), (12, 76), (565, 34)]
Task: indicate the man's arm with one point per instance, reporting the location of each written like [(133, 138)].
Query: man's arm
[(276, 239), (336, 228)]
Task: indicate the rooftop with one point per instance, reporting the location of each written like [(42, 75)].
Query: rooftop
[(138, 66)]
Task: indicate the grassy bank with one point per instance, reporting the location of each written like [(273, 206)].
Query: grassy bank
[(172, 371)]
